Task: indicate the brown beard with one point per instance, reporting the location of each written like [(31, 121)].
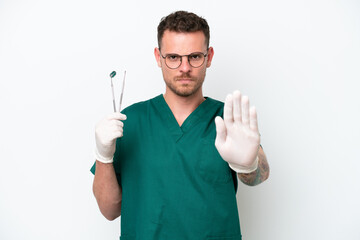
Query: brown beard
[(188, 91)]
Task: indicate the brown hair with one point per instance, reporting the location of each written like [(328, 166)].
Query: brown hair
[(182, 21)]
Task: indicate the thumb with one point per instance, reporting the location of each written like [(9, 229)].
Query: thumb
[(220, 131)]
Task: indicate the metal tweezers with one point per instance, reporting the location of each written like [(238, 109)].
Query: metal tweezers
[(112, 74)]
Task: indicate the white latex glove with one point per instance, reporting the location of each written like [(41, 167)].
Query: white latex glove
[(237, 136), (106, 132)]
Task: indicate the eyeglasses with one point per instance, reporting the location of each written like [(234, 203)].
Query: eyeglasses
[(174, 61)]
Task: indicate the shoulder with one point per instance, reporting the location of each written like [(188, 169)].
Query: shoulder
[(215, 105), (135, 108), (215, 102), (138, 108)]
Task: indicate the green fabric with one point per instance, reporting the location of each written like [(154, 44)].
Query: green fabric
[(174, 183)]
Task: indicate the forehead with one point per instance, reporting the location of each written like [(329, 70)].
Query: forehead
[(183, 43)]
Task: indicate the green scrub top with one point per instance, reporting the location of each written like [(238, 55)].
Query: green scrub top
[(175, 185)]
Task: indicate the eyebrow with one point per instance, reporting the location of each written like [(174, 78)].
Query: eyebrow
[(183, 54)]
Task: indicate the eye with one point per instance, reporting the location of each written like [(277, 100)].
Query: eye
[(173, 57), (196, 56)]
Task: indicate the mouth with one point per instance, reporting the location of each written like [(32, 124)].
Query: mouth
[(184, 80)]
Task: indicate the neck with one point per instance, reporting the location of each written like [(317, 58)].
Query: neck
[(182, 107)]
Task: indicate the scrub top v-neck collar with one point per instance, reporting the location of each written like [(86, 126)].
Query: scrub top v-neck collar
[(170, 120)]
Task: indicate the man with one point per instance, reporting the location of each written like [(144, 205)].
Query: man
[(168, 165)]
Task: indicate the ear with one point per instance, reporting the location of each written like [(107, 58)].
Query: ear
[(209, 57), (157, 56)]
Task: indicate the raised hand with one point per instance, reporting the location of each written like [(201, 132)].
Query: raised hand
[(237, 136)]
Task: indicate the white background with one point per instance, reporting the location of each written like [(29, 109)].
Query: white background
[(298, 61)]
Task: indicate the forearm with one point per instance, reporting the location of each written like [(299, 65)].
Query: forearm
[(260, 174), (107, 190)]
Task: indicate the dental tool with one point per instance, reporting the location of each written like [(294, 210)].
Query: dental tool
[(122, 91), (112, 75)]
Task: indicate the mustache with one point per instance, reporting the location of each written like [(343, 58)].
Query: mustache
[(186, 76)]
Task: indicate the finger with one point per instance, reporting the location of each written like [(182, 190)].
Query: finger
[(220, 131), (245, 110), (117, 131), (115, 124), (228, 110), (117, 134), (113, 133), (237, 106), (119, 123), (117, 116), (253, 119)]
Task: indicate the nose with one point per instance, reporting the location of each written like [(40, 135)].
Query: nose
[(185, 65)]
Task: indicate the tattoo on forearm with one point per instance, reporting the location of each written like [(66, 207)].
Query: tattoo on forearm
[(258, 176)]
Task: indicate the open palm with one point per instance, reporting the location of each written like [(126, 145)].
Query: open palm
[(237, 136)]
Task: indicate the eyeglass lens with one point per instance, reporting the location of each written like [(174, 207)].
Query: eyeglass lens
[(194, 59)]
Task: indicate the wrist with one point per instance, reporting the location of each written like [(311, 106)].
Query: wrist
[(245, 169), (101, 158)]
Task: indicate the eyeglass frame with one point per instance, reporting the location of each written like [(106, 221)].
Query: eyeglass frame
[(181, 57)]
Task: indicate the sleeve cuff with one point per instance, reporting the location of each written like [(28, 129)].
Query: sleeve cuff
[(101, 158), (241, 169)]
